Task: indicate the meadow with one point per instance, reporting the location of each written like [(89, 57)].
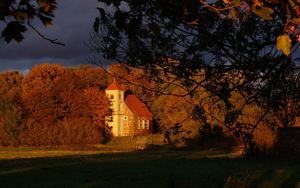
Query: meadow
[(166, 168)]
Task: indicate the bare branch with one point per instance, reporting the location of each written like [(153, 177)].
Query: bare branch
[(53, 41)]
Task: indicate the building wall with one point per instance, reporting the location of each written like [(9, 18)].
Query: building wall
[(136, 125), (128, 122), (117, 105), (143, 125), (125, 122)]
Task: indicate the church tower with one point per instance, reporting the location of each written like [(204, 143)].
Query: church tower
[(115, 93)]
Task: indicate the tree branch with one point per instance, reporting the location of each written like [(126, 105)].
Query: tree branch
[(53, 41)]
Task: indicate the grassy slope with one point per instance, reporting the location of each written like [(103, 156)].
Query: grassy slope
[(147, 169)]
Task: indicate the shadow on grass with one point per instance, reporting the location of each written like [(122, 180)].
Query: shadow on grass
[(147, 169)]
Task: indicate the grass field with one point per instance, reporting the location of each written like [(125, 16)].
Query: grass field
[(164, 168)]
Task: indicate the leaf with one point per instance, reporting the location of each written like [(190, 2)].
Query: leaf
[(101, 11), (292, 3), (227, 1), (20, 15), (13, 31), (236, 2), (263, 12), (257, 3), (47, 21), (284, 44), (47, 5), (297, 21), (233, 14)]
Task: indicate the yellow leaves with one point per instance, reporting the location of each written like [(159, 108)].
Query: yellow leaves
[(234, 2), (263, 12), (284, 44), (227, 1)]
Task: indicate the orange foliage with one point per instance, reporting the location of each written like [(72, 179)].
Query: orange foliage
[(59, 106), (10, 108)]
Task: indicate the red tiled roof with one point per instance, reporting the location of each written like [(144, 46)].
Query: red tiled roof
[(136, 106), (114, 86)]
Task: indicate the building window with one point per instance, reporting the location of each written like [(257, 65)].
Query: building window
[(138, 122), (125, 117), (111, 96), (147, 124), (132, 124), (143, 124)]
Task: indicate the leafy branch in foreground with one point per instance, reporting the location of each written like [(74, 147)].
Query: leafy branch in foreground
[(213, 53), (18, 16)]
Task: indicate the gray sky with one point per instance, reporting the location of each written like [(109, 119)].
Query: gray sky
[(72, 24)]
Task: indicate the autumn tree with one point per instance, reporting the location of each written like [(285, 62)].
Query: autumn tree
[(37, 92), (93, 76), (134, 80), (174, 114), (63, 106), (11, 112), (80, 109)]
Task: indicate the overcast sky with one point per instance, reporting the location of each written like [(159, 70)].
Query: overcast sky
[(72, 24)]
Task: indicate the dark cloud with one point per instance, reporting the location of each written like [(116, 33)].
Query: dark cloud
[(72, 25)]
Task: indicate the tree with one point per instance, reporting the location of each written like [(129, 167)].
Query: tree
[(19, 14), (284, 98), (176, 42), (134, 81), (288, 11), (189, 13), (64, 106), (175, 114), (11, 112), (37, 92)]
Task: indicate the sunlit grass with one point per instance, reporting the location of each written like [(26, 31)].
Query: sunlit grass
[(42, 152), (38, 154)]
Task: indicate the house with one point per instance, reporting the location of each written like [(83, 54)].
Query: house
[(130, 116)]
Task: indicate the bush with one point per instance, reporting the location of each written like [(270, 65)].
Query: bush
[(73, 132), (213, 136)]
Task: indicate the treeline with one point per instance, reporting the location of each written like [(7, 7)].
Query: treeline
[(53, 105)]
